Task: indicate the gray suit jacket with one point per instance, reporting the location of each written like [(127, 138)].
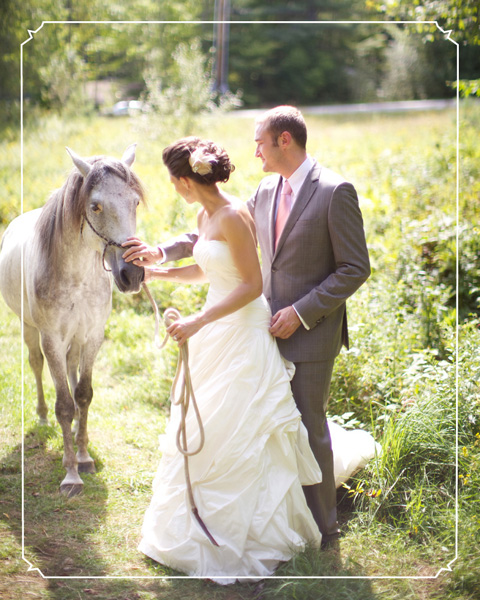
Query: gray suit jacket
[(321, 259)]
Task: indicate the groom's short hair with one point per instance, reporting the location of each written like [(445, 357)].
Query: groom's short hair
[(285, 118)]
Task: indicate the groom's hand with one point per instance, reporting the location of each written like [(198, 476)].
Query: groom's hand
[(284, 323), (140, 253)]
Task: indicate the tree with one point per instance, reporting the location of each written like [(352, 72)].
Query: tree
[(461, 17), (60, 52), (15, 21), (298, 59)]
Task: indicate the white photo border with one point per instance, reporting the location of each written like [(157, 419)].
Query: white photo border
[(448, 34)]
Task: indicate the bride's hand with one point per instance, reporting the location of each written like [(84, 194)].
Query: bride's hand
[(182, 329), (152, 273)]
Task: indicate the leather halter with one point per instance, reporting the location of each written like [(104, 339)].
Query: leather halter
[(107, 241)]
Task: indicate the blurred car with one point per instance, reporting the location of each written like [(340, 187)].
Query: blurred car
[(127, 107)]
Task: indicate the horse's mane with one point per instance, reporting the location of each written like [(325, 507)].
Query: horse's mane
[(67, 205)]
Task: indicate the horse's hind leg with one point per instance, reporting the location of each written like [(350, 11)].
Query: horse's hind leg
[(35, 358), (73, 360), (55, 353)]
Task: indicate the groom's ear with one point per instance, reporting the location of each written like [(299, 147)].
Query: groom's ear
[(285, 139)]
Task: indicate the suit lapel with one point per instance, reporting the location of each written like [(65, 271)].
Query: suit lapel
[(305, 195)]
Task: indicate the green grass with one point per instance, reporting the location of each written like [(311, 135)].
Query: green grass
[(398, 381)]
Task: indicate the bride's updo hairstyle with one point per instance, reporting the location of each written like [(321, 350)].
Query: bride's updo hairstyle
[(201, 160)]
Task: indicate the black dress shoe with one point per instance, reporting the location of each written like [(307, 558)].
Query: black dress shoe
[(330, 542)]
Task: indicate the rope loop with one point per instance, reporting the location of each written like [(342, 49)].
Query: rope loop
[(186, 394)]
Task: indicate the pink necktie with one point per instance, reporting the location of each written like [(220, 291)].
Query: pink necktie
[(284, 207)]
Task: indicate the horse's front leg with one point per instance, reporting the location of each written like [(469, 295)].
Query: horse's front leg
[(55, 353), (83, 399)]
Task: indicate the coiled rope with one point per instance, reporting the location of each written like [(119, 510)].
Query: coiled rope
[(185, 397)]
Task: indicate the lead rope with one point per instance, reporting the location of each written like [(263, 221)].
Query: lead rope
[(186, 395)]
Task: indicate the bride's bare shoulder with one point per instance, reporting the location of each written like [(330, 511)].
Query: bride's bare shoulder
[(236, 216), (237, 207)]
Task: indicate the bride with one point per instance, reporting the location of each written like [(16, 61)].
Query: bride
[(247, 480)]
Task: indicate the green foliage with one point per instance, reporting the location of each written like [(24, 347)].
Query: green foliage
[(468, 87), (57, 76), (303, 63), (309, 61), (15, 21), (61, 57), (316, 60), (175, 100), (413, 485), (461, 17), (407, 71)]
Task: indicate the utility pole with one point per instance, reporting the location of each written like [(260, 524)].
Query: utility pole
[(221, 34)]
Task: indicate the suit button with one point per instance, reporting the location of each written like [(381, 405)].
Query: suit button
[(274, 269)]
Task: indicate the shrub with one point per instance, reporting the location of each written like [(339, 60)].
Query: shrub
[(173, 105)]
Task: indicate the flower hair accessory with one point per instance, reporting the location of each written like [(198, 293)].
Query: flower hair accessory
[(200, 162)]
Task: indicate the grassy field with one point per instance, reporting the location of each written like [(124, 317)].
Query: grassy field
[(399, 516)]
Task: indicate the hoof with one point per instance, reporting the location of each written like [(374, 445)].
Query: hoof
[(43, 422), (86, 467), (71, 489)]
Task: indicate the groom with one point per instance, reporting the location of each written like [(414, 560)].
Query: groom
[(314, 256)]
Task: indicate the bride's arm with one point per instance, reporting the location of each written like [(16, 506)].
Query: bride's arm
[(239, 235), (187, 274)]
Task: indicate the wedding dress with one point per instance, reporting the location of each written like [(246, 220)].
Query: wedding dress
[(247, 480)]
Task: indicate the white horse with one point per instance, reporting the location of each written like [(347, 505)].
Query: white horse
[(67, 291)]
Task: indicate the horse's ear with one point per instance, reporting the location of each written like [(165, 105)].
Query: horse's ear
[(81, 164), (129, 155)]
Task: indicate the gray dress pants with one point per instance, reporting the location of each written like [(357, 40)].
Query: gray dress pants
[(310, 387)]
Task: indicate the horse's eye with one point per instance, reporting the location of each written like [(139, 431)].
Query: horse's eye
[(97, 208)]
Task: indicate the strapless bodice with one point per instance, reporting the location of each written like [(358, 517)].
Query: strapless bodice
[(216, 261)]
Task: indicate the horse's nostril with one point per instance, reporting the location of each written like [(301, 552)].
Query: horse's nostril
[(131, 276), (124, 278)]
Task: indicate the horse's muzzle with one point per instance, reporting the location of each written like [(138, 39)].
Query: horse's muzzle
[(130, 278), (127, 276)]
